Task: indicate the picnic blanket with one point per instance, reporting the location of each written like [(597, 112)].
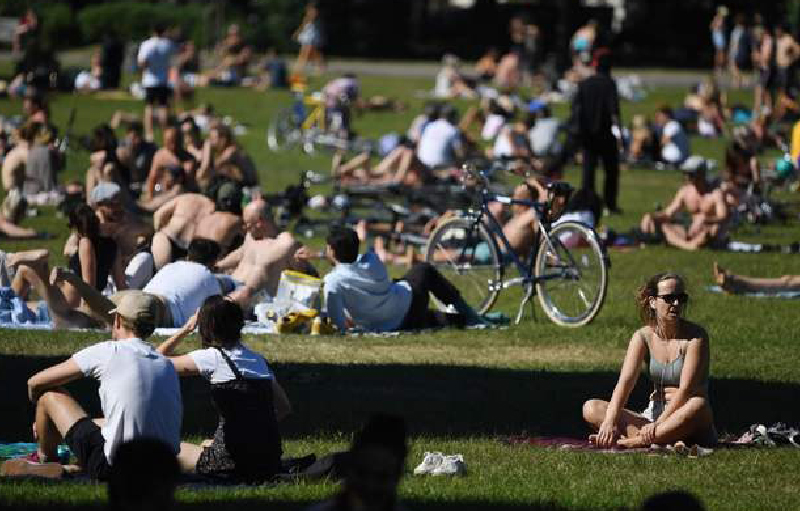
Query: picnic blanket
[(584, 445), (23, 449), (759, 294)]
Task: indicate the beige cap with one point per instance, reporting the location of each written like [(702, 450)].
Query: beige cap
[(136, 306)]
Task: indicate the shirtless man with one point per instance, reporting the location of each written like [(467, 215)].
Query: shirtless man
[(172, 154), (224, 225), (16, 160), (708, 210), (175, 223), (256, 266)]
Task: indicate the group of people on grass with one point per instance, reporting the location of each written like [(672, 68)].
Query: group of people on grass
[(141, 398)]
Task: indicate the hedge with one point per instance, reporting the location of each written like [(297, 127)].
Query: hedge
[(134, 21)]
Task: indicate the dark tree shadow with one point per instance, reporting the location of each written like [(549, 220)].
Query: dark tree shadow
[(436, 400)]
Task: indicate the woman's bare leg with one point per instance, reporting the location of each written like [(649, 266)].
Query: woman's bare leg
[(97, 303), (63, 314), (687, 421), (594, 413)]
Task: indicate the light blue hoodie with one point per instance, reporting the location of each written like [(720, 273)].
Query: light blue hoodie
[(363, 289)]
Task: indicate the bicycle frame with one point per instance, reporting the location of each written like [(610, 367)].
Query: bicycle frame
[(316, 116), (524, 265)]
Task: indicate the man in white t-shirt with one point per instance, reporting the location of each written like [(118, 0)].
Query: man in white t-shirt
[(440, 144), (139, 394), (155, 58), (178, 290)]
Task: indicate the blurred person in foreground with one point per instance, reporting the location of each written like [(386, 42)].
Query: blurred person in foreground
[(372, 468)]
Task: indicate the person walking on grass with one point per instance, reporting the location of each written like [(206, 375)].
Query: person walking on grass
[(678, 357), (139, 394), (155, 59)]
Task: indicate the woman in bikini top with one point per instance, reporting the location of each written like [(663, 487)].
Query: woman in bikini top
[(677, 354)]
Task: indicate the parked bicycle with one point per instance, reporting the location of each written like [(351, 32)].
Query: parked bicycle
[(306, 124), (567, 266)]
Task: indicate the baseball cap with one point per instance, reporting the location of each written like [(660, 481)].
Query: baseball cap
[(137, 306), (103, 192)]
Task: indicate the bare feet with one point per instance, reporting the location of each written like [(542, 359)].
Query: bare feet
[(721, 278)]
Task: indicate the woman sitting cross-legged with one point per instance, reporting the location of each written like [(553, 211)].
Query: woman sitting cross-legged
[(248, 398), (677, 354)]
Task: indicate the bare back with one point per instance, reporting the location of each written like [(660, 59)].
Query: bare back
[(187, 210), (263, 261), (220, 226)]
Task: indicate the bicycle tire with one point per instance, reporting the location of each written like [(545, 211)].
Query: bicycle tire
[(284, 130), (574, 261), (452, 249)]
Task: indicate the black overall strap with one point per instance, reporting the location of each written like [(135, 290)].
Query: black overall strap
[(233, 367)]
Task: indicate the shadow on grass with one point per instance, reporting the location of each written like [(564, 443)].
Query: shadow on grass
[(238, 503), (456, 402)]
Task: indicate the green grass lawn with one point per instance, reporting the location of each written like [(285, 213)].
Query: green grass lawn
[(463, 391)]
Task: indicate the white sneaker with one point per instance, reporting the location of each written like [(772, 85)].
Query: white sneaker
[(451, 466), (430, 462)]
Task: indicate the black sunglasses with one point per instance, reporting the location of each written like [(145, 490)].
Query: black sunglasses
[(673, 297)]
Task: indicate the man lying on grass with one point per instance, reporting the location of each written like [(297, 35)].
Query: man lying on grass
[(359, 293), (139, 394)]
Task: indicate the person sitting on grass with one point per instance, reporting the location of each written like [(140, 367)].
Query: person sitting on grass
[(178, 290), (677, 354), (737, 284), (139, 394), (248, 398), (709, 215), (95, 258), (359, 293)]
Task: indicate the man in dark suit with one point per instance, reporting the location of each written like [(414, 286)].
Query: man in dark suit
[(595, 110)]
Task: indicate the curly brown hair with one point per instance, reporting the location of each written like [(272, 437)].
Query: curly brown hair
[(649, 290)]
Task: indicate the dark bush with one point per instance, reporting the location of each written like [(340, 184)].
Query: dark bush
[(58, 26), (134, 21)]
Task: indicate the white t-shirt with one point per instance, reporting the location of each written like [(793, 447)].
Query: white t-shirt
[(677, 149), (502, 144), (438, 144), (185, 285), (213, 367), (139, 392), (155, 56)]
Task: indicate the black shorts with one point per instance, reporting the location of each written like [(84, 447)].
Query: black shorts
[(178, 252), (87, 443), (159, 96)]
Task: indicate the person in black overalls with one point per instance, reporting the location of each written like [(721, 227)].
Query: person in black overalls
[(250, 402)]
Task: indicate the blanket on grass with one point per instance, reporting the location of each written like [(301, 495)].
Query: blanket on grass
[(759, 294)]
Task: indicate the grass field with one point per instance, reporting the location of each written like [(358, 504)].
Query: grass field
[(463, 391)]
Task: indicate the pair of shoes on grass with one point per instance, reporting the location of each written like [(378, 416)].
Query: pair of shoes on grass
[(438, 464)]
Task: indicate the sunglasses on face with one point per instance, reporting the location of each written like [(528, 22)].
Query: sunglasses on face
[(674, 297)]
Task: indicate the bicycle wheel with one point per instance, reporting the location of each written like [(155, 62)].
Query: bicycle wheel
[(468, 257), (571, 274), (284, 130)]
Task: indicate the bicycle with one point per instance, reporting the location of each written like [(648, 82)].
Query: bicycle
[(566, 267), (306, 123)]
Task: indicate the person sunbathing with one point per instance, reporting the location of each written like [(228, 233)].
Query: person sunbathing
[(248, 397), (255, 267), (175, 223), (737, 284), (677, 355), (709, 215)]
